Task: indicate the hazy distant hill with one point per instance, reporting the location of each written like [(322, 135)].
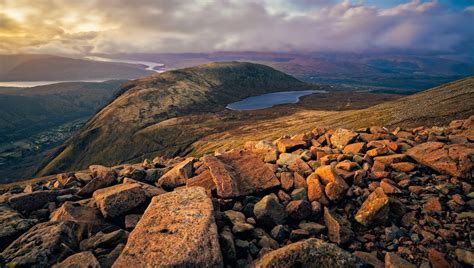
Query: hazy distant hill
[(170, 114), (54, 68), (379, 70)]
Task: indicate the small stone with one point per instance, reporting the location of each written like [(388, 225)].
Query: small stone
[(286, 180), (280, 233), (299, 234), (267, 242), (437, 259), (392, 260), (269, 212), (312, 227), (131, 221), (370, 259), (339, 228), (355, 148), (465, 256), (299, 209), (299, 194), (433, 204)]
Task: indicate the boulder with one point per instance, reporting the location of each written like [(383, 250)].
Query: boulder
[(339, 228), (269, 212), (315, 188), (116, 200), (287, 159), (12, 225), (104, 240), (239, 173), (29, 202), (369, 258), (204, 180), (89, 218), (342, 137), (309, 253), (288, 145), (43, 245), (375, 209), (177, 229), (83, 259), (335, 186), (149, 190), (178, 175), (355, 148), (102, 177), (454, 159)]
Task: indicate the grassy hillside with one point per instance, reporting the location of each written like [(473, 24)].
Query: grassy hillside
[(124, 129), (54, 68)]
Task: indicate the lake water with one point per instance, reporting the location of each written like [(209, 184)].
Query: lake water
[(270, 100), (39, 83), (150, 66)]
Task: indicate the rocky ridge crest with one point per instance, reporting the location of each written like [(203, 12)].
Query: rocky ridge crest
[(326, 198)]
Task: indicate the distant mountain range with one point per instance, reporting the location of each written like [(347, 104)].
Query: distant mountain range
[(55, 68), (383, 71)]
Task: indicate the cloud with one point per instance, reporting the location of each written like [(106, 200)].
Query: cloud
[(110, 26)]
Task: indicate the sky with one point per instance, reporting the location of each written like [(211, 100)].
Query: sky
[(159, 26)]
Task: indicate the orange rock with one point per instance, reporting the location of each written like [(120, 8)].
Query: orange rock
[(454, 159), (403, 166), (238, 173), (116, 200), (375, 208), (437, 259), (315, 189), (341, 137), (177, 229), (204, 180), (392, 260), (335, 186), (286, 180), (355, 148), (339, 228), (378, 151), (178, 175), (390, 159), (287, 145), (389, 188), (433, 205)]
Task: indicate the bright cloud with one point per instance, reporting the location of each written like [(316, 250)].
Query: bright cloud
[(110, 26)]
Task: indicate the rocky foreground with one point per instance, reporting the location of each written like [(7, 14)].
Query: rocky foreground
[(328, 198)]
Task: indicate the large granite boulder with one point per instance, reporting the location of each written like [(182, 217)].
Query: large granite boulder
[(239, 173), (178, 229), (43, 245), (309, 253)]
